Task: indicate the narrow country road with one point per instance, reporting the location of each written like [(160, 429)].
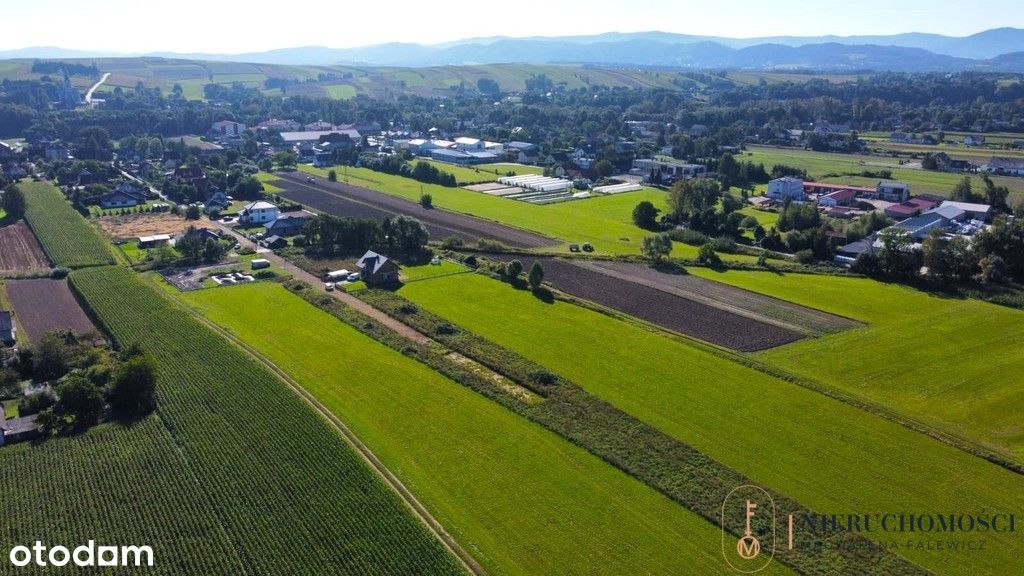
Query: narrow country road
[(341, 295), (88, 95)]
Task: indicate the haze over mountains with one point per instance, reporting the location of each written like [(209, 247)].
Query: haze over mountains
[(998, 49)]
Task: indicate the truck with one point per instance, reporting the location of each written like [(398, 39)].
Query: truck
[(260, 263), (337, 276)]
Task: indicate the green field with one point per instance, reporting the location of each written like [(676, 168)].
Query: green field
[(825, 454), (951, 363), (117, 485), (523, 499), (290, 495), (348, 81), (65, 236), (818, 164), (482, 173), (605, 221)]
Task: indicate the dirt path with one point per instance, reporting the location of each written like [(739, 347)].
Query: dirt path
[(341, 295), (415, 506)]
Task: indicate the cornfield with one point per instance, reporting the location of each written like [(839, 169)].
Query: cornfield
[(290, 496), (67, 239)]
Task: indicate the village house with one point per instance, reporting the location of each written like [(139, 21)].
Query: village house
[(287, 225), (974, 140), (893, 191), (226, 130), (260, 212), (216, 200), (124, 196), (377, 269), (1005, 166), (787, 187)]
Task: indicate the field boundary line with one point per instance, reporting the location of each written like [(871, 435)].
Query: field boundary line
[(405, 495), (952, 440)]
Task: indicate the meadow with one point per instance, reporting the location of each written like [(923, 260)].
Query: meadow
[(262, 459), (521, 498), (826, 454), (606, 221), (67, 239), (818, 164), (951, 363)]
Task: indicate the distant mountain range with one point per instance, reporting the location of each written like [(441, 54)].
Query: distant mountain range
[(1000, 49)]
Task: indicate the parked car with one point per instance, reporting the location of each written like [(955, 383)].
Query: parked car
[(574, 247), (587, 247), (353, 277), (329, 286)]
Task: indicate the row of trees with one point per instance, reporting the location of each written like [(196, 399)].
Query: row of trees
[(421, 171), (327, 235)]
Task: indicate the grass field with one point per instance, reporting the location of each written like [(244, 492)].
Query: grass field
[(290, 495), (606, 221), (526, 501), (818, 164), (948, 362), (267, 179), (348, 81), (65, 236), (824, 453)]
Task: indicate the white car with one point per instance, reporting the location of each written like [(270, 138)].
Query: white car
[(354, 277), (329, 286)]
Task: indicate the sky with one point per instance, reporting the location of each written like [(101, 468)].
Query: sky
[(130, 26)]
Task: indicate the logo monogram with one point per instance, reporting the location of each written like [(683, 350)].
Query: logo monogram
[(754, 509)]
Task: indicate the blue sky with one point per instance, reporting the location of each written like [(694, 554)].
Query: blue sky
[(231, 26)]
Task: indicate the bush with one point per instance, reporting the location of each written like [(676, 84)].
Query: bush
[(543, 377), (724, 244), (427, 201), (36, 402), (706, 255), (59, 273), (513, 269), (688, 236), (452, 243), (299, 241), (805, 256), (332, 176)]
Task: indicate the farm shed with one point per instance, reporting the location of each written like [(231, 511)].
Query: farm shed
[(17, 429), (154, 240), (274, 242)]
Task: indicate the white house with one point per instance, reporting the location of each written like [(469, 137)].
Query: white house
[(787, 187), (226, 130), (893, 191), (258, 213)]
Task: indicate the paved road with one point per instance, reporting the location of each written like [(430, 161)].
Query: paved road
[(342, 199), (88, 95)]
